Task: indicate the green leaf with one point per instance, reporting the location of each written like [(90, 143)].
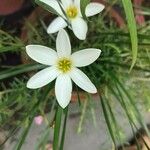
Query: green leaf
[(132, 103), (64, 129), (107, 119), (10, 48), (24, 134), (19, 70), (46, 7), (119, 97), (57, 127), (127, 4), (32, 115)]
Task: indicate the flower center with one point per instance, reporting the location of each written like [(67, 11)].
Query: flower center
[(72, 12), (64, 65)]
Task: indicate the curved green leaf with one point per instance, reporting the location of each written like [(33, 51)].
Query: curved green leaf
[(127, 4)]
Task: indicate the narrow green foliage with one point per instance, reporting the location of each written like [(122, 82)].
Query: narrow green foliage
[(24, 134), (13, 71), (64, 129), (32, 114), (114, 121), (43, 140), (57, 128), (9, 43), (107, 119), (46, 7), (127, 4), (137, 113)]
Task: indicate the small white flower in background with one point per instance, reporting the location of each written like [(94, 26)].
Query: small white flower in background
[(74, 16), (63, 66)]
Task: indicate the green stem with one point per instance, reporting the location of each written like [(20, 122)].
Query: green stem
[(64, 129), (57, 127)]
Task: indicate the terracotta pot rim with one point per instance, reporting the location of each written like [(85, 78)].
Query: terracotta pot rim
[(8, 7)]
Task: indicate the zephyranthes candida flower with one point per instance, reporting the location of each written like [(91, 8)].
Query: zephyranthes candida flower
[(72, 13), (62, 66)]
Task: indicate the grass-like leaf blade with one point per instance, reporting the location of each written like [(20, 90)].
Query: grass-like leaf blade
[(127, 4)]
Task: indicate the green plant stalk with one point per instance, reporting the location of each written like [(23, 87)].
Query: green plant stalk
[(64, 129), (57, 128)]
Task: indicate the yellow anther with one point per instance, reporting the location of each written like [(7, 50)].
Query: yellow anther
[(72, 12), (64, 65)]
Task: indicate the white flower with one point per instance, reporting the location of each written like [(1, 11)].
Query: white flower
[(63, 66), (74, 16)]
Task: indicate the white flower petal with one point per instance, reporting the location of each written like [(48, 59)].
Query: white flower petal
[(63, 89), (66, 3), (63, 45), (42, 78), (56, 25), (53, 4), (42, 54), (77, 3), (85, 57), (93, 9), (82, 80), (79, 27)]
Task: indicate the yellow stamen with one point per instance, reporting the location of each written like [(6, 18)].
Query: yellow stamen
[(64, 65), (72, 12)]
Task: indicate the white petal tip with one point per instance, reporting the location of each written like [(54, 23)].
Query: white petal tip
[(29, 86), (80, 28), (63, 106), (101, 6), (63, 89), (94, 91), (62, 31), (94, 8), (82, 38), (56, 25), (99, 51), (28, 47), (49, 31)]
